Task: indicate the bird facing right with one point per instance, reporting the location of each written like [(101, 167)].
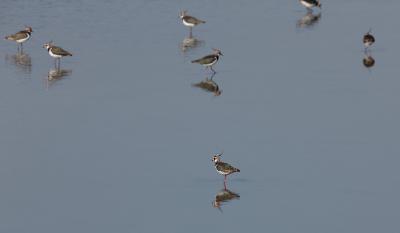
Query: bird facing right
[(20, 37), (309, 4), (209, 60)]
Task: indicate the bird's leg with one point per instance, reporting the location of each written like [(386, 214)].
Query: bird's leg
[(59, 64), (212, 70), (22, 48), (225, 182), (190, 33)]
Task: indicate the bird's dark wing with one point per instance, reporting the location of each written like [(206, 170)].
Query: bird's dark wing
[(206, 60), (193, 20), (60, 51)]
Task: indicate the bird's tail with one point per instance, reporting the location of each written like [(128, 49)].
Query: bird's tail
[(202, 21), (237, 170), (196, 61), (7, 37)]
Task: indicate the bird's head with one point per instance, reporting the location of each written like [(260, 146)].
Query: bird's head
[(48, 44), (217, 52), (28, 29)]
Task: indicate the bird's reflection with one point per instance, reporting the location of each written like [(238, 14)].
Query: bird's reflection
[(224, 196), (209, 85), (368, 60), (190, 43), (308, 20), (21, 60), (55, 75)]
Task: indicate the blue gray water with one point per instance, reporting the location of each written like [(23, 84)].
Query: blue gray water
[(122, 142)]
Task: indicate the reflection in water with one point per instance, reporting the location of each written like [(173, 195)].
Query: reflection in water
[(368, 60), (190, 42), (209, 85), (224, 196), (308, 20), (55, 75), (21, 60)]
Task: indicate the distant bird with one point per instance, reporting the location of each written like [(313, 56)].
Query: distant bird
[(20, 37), (190, 21), (368, 39), (209, 60), (56, 52), (223, 168), (309, 4)]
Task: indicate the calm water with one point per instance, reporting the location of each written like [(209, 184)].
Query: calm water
[(121, 141)]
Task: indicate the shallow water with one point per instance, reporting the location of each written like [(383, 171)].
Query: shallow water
[(120, 140)]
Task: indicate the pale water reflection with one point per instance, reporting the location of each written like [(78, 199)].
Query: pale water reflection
[(368, 60), (309, 20), (190, 43), (223, 197), (55, 75), (209, 85), (22, 61)]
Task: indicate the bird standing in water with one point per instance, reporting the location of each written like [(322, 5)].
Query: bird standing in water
[(190, 21), (20, 37), (368, 39), (209, 60), (223, 168), (56, 52)]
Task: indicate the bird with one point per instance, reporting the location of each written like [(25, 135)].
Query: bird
[(309, 4), (20, 37), (209, 60), (56, 52), (190, 21), (223, 168), (368, 39)]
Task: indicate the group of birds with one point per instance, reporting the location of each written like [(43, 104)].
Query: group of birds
[(208, 61), (24, 35)]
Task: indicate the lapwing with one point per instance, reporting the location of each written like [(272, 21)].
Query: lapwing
[(190, 21), (368, 39), (309, 4), (222, 168), (20, 37), (209, 60), (56, 52)]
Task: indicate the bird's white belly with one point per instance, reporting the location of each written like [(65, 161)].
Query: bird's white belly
[(306, 4), (54, 55), (222, 173), (23, 40), (212, 63), (187, 24)]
